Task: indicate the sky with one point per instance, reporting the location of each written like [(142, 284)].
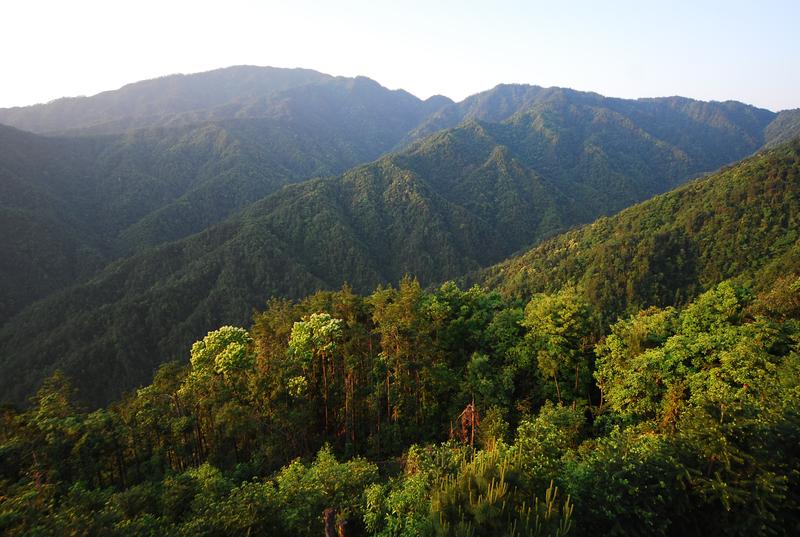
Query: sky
[(704, 49)]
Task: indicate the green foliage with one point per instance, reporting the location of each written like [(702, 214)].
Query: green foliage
[(251, 508), (486, 497), (733, 223), (399, 509), (317, 334), (716, 380), (486, 382), (224, 351), (697, 431), (542, 441), (679, 419), (306, 491), (559, 335), (493, 428), (628, 482), (625, 358)]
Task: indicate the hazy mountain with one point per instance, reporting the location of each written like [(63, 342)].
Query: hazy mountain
[(785, 127), (72, 204), (721, 130), (243, 92), (159, 101)]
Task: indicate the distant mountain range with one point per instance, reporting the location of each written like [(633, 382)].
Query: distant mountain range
[(152, 214), (239, 92)]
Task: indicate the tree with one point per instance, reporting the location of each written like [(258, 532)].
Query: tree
[(315, 337), (559, 335)]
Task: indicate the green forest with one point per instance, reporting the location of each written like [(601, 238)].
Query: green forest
[(264, 301), (444, 412), (557, 407)]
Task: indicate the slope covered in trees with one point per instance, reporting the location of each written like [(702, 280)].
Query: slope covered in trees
[(46, 242), (461, 199), (784, 128), (71, 205), (721, 131), (733, 223), (447, 412), (636, 376), (242, 92)]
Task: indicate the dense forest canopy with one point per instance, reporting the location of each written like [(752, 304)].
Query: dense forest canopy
[(461, 412), (449, 412), (739, 221)]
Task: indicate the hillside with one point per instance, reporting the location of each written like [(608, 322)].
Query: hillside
[(742, 221), (784, 128), (721, 130), (72, 204), (46, 242), (460, 200), (241, 92)]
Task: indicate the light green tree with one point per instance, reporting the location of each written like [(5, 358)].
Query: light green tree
[(559, 334), (225, 351), (315, 337)]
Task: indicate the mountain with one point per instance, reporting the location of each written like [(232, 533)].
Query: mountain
[(459, 200), (721, 130), (72, 204), (741, 222), (784, 128), (242, 92), (311, 131), (159, 101)]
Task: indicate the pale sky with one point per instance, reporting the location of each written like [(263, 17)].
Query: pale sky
[(705, 49)]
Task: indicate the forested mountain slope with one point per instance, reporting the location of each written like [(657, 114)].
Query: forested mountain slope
[(721, 131), (784, 128), (70, 204), (46, 242), (461, 199), (742, 221), (191, 150), (241, 92)]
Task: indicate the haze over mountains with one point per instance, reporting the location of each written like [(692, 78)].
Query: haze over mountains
[(121, 193), (149, 215), (235, 92)]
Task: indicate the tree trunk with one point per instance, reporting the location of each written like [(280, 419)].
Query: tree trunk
[(329, 518), (325, 390), (388, 397), (558, 390)]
